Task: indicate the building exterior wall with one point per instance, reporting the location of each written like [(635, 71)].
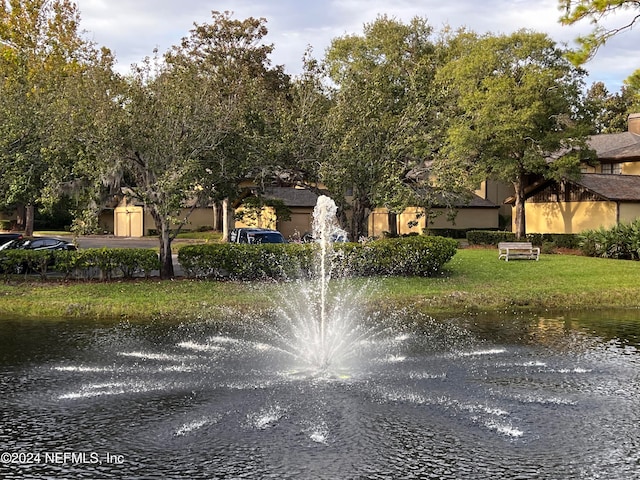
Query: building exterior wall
[(300, 223), (631, 168), (266, 218), (199, 218), (568, 217), (106, 220), (134, 221), (411, 220), (496, 192), (629, 212)]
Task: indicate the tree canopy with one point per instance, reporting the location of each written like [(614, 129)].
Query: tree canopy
[(394, 117), (381, 125), (194, 125), (43, 63), (514, 101)]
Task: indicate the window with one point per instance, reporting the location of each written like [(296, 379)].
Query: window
[(611, 168)]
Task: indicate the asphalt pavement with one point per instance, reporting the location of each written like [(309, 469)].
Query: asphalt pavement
[(109, 241)]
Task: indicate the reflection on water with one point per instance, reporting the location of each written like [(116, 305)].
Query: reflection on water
[(551, 396)]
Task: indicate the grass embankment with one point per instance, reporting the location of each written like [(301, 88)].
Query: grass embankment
[(474, 281)]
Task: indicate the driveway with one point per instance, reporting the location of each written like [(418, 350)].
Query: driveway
[(109, 241)]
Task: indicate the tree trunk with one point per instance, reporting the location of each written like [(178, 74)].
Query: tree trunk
[(520, 218), (164, 236), (358, 224), (392, 219), (227, 216), (28, 220)]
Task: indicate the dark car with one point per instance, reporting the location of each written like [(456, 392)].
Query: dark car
[(38, 243), (255, 236), (7, 237)]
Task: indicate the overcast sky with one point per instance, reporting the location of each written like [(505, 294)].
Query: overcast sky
[(133, 28)]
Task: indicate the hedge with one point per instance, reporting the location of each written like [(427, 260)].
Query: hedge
[(491, 237), (104, 263), (246, 262), (408, 256)]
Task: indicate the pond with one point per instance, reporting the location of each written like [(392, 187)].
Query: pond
[(513, 396)]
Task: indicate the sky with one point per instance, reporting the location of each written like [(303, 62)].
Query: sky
[(132, 29)]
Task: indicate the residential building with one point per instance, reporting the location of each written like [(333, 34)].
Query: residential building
[(603, 196)]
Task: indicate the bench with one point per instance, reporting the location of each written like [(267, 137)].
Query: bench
[(512, 250)]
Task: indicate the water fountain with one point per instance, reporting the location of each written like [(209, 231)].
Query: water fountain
[(320, 320), (322, 389)]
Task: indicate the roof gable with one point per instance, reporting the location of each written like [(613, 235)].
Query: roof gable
[(292, 197), (590, 187)]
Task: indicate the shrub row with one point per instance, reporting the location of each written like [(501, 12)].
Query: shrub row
[(245, 262), (104, 263), (490, 237), (620, 242), (408, 256)]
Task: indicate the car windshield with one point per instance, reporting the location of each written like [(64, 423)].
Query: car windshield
[(267, 237), (10, 245)]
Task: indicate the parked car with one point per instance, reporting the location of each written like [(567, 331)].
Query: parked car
[(38, 243), (336, 237), (255, 236), (7, 237)]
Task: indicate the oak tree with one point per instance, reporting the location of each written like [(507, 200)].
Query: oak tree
[(44, 61), (382, 118), (194, 122), (513, 117)]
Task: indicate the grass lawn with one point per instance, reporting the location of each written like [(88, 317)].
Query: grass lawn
[(473, 281)]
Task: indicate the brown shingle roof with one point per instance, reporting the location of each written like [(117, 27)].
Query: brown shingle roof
[(616, 146), (622, 188), (292, 197)]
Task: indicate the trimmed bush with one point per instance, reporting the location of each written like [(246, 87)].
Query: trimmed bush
[(24, 261), (113, 262), (421, 256), (408, 256), (246, 262), (489, 237), (105, 263)]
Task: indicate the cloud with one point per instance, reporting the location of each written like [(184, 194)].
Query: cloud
[(132, 29)]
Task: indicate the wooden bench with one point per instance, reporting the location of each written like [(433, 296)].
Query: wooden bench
[(512, 250)]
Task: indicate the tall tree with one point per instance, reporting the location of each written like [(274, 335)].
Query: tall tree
[(632, 89), (596, 11), (607, 112), (382, 117), (193, 125), (516, 98), (43, 58), (302, 144)]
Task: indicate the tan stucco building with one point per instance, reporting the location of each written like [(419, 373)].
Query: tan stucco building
[(603, 196), (478, 213)]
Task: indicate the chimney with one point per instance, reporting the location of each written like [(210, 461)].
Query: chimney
[(633, 123)]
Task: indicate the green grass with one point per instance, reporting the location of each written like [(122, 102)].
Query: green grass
[(474, 281)]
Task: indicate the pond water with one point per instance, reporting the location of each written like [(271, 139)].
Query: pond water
[(520, 396)]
